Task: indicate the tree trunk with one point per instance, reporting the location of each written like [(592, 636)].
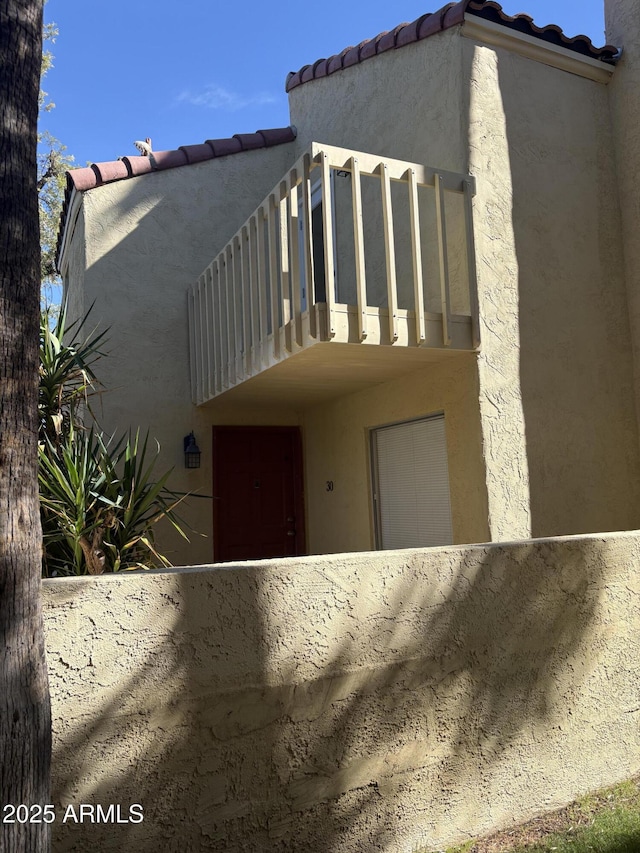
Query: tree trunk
[(25, 717)]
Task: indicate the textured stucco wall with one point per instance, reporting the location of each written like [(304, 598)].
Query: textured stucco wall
[(407, 104), (337, 447), (559, 429), (381, 701), (555, 371), (146, 241), (554, 376), (623, 30)]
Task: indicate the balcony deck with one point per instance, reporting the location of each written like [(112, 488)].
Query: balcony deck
[(367, 267)]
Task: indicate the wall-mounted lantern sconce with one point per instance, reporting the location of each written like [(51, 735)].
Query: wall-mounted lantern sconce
[(191, 452)]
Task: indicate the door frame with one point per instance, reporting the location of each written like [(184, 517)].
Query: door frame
[(298, 479)]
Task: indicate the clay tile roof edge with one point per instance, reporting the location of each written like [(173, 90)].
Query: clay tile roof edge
[(99, 174), (448, 16)]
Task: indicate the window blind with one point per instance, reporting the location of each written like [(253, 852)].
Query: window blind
[(412, 484)]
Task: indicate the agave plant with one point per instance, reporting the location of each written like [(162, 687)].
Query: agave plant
[(99, 500)]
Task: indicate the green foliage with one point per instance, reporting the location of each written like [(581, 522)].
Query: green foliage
[(99, 501), (607, 821), (53, 162), (66, 373), (99, 505)]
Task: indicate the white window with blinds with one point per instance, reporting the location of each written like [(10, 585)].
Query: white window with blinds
[(411, 484)]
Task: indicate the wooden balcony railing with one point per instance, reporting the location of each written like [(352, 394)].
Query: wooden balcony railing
[(348, 247)]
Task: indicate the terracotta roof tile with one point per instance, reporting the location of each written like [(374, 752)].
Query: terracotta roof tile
[(98, 174), (161, 160), (198, 153), (434, 22), (409, 32), (223, 147), (112, 171), (136, 165), (388, 41), (336, 63), (277, 135), (368, 48), (250, 141), (351, 57)]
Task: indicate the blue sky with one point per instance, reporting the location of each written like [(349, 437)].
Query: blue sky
[(201, 69)]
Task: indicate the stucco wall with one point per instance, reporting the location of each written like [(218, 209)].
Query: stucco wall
[(383, 701), (623, 30), (555, 371), (337, 448), (554, 376), (145, 242)]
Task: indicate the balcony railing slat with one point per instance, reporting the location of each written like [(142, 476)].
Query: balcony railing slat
[(231, 317), (261, 274), (224, 353), (257, 303), (272, 239), (416, 255), (285, 282), (246, 299), (390, 252), (237, 308), (327, 232), (471, 263), (444, 262), (296, 286), (253, 295), (218, 337), (358, 246), (307, 223), (211, 367)]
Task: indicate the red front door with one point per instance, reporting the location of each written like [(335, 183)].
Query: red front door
[(258, 507)]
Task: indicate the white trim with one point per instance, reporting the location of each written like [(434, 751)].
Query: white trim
[(75, 203), (534, 48)]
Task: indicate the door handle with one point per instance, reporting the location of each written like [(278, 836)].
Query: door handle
[(291, 533)]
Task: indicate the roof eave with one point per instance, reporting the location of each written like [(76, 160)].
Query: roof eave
[(73, 205), (531, 47)]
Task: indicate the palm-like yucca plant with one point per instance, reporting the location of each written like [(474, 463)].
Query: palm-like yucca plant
[(99, 502), (66, 373), (99, 505)]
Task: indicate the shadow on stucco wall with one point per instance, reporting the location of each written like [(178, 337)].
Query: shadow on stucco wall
[(150, 663), (336, 704), (432, 736), (575, 358)]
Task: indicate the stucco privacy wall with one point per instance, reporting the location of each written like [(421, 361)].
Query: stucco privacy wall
[(345, 703), (146, 240), (555, 372), (337, 447)]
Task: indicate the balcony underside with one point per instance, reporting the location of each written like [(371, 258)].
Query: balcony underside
[(324, 369)]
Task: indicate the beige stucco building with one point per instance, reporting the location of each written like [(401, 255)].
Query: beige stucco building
[(411, 318)]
